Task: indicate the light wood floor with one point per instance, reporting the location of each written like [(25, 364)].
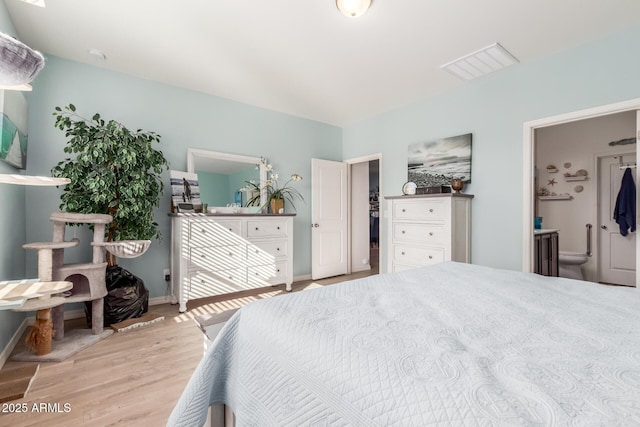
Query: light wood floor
[(135, 377)]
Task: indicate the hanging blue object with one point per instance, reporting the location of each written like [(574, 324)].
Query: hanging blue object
[(625, 211)]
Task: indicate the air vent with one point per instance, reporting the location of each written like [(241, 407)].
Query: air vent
[(483, 61)]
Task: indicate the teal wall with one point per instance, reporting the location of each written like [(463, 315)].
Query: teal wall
[(183, 119), (494, 109), (12, 227)]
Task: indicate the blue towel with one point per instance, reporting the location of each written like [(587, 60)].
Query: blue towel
[(625, 211)]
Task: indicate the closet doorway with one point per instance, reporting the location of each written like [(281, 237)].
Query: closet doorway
[(365, 213)]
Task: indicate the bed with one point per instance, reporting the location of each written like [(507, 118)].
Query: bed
[(449, 344)]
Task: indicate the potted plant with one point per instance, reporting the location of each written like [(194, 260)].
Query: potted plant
[(275, 194), (114, 171)]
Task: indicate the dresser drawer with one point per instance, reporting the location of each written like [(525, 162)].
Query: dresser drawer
[(271, 228), (207, 283), (210, 233), (420, 210), (266, 275), (218, 257), (416, 255), (420, 233), (262, 252)]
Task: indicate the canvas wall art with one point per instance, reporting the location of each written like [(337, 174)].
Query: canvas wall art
[(13, 128), (438, 162)]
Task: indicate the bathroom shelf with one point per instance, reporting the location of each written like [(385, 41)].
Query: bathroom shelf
[(575, 178), (555, 197)]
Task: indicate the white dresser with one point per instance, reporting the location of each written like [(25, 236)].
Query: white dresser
[(220, 254), (427, 229)]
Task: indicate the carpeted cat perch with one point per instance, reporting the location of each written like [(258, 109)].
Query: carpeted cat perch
[(19, 64)]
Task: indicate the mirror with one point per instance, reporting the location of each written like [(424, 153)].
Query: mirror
[(222, 176)]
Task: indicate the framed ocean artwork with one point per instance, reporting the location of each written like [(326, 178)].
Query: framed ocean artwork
[(438, 162), (14, 114)]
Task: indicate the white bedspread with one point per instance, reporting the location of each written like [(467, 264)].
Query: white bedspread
[(451, 344)]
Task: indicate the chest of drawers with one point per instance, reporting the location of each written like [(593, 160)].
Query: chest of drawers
[(216, 254), (427, 229)]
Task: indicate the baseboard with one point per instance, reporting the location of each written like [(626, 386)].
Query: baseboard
[(4, 356), (160, 300), (362, 268), (302, 278)]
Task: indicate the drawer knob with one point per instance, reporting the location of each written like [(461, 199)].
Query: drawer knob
[(202, 281), (256, 228), (203, 231), (230, 254), (278, 270), (430, 210), (402, 231), (402, 253), (430, 257), (431, 233), (278, 227), (203, 256), (403, 210), (230, 229), (277, 249)]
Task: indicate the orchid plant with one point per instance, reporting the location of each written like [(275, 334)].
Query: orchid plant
[(271, 187)]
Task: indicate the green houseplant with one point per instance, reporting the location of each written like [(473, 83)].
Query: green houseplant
[(114, 171)]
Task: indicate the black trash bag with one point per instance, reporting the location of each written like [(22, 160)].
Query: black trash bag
[(126, 298)]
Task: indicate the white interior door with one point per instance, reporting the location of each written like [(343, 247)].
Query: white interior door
[(328, 218), (617, 253)]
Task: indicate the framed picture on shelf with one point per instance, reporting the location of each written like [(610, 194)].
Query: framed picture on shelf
[(185, 192)]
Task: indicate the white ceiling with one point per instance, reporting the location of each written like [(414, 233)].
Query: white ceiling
[(302, 57)]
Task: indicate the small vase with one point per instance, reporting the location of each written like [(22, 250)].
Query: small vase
[(276, 205), (457, 184)]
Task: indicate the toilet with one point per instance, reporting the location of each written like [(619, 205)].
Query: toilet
[(569, 264)]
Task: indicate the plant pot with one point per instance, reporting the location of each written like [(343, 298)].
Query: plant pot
[(276, 205)]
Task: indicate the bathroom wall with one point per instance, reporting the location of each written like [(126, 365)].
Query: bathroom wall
[(577, 143)]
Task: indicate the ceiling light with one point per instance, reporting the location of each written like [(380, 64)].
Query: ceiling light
[(35, 2), (353, 8), (483, 61)]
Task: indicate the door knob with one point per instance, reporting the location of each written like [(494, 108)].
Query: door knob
[(315, 225), (604, 227)]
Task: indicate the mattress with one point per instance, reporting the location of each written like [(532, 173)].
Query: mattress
[(446, 345)]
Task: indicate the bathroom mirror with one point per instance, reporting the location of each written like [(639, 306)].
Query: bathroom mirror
[(222, 176)]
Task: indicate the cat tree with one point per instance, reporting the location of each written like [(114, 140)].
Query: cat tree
[(88, 281)]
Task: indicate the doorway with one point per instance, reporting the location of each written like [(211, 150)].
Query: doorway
[(353, 245), (531, 187), (365, 213)]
